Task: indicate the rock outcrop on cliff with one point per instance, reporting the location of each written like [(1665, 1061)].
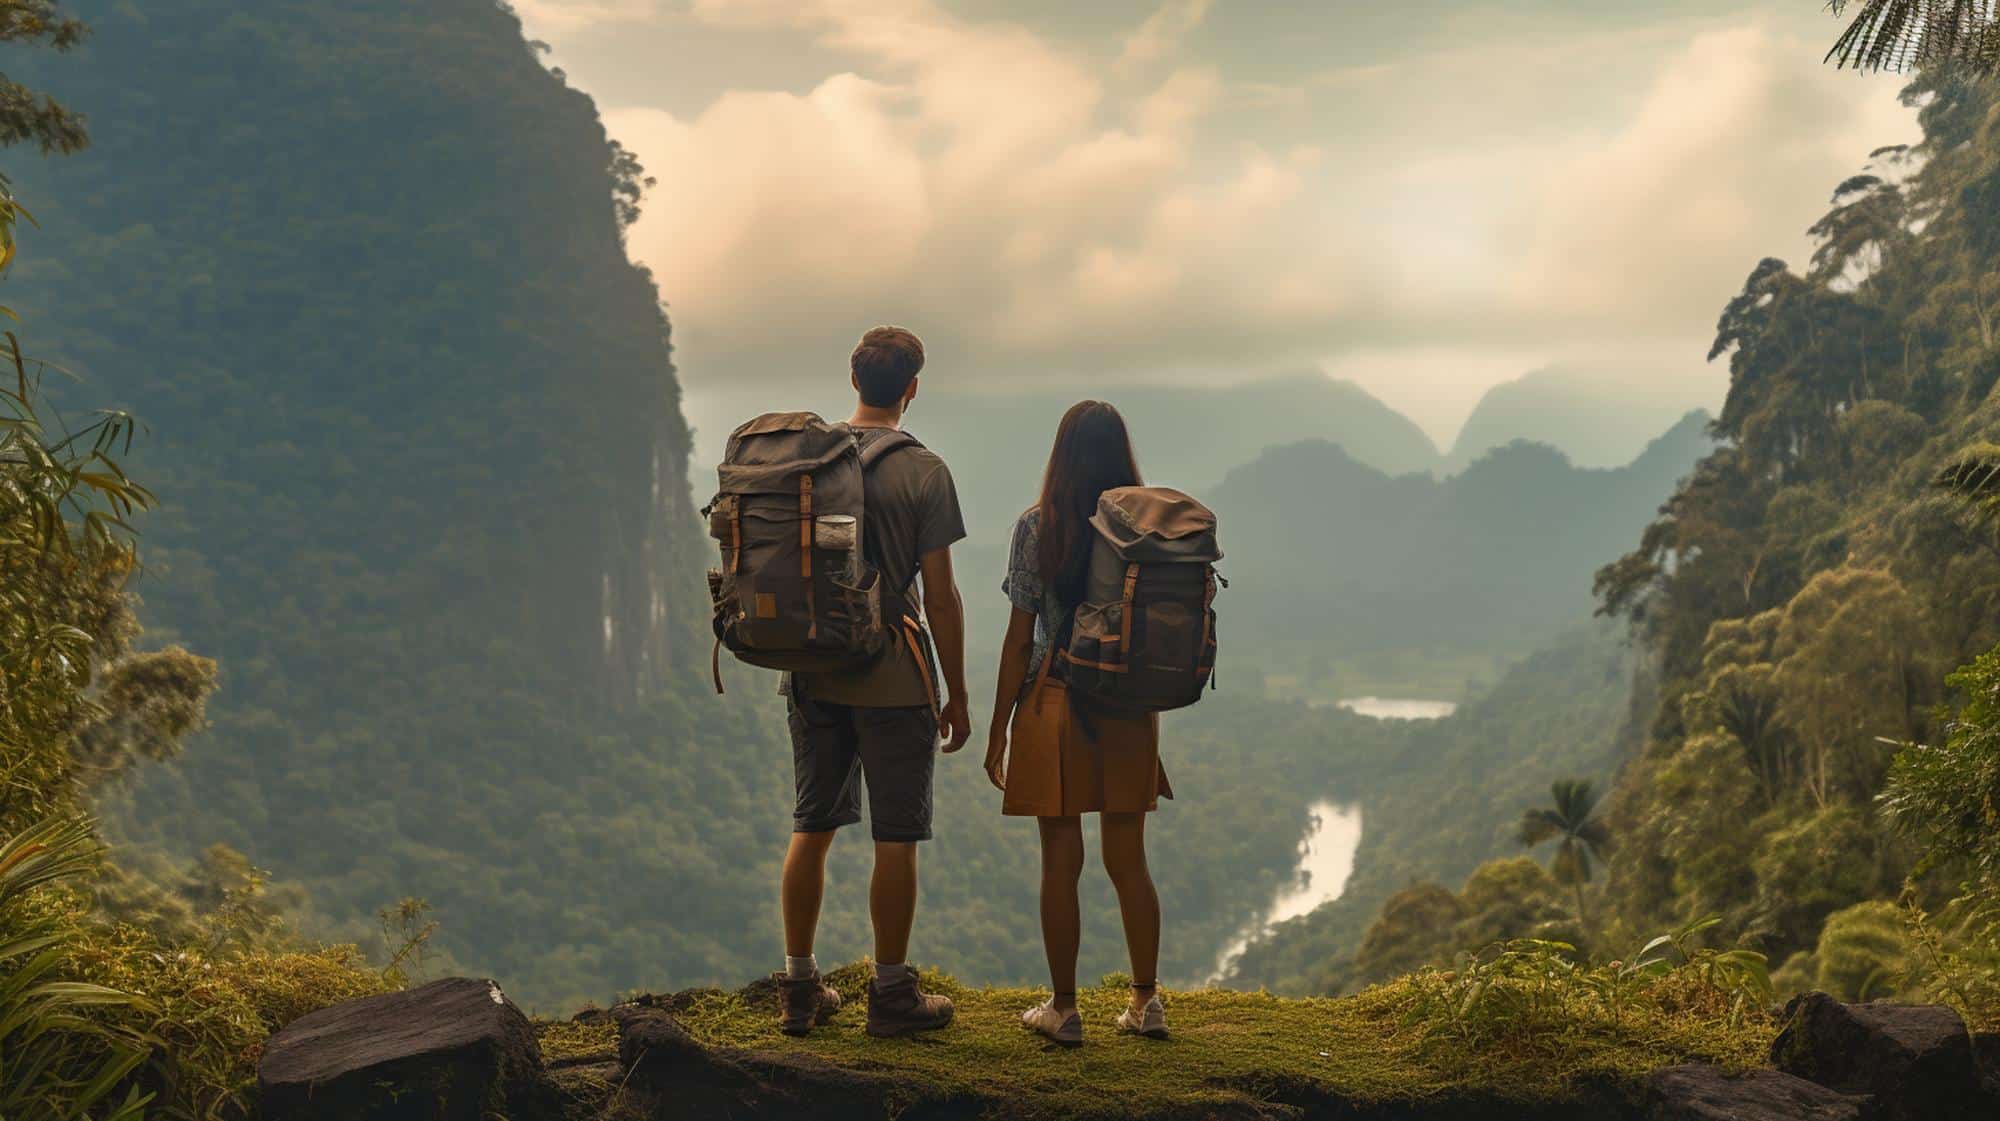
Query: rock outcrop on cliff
[(459, 1049)]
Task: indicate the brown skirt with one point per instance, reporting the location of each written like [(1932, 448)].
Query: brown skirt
[(1056, 769)]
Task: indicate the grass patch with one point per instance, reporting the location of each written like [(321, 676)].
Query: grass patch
[(1387, 1045), (566, 1042), (208, 1011)]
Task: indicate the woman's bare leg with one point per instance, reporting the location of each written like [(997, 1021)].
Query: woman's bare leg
[(1062, 920), (1138, 902)]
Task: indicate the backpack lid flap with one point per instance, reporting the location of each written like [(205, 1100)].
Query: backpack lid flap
[(770, 452), (778, 422), (1157, 525)]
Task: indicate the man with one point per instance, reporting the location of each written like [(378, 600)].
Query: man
[(878, 723)]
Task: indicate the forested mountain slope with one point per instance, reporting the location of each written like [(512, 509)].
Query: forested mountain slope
[(1808, 590), (1806, 768), (358, 268), (1332, 559)]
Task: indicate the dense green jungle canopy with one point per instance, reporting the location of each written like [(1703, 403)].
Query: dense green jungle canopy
[(1798, 604), (358, 269), (1806, 593)]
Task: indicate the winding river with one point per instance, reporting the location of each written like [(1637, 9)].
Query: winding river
[(1326, 859), (1333, 834)]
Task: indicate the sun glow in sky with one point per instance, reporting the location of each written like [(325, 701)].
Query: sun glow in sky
[(1426, 197)]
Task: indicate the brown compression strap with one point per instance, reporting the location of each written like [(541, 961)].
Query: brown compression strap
[(715, 664), (1125, 616), (735, 537), (806, 553), (1207, 619), (1106, 667), (910, 629)]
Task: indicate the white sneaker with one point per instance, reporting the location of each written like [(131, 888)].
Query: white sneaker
[(1065, 1029), (1152, 1024)]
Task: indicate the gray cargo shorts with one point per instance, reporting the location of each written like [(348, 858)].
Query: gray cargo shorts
[(836, 746)]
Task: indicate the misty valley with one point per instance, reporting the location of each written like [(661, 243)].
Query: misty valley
[(1582, 740)]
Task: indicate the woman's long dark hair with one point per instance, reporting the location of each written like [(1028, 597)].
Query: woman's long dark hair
[(1093, 454)]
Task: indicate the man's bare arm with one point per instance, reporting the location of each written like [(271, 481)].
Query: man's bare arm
[(946, 613)]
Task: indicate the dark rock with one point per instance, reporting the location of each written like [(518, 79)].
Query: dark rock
[(1986, 1057), (1706, 1093), (454, 1050), (654, 1047), (681, 1080), (1916, 1060)]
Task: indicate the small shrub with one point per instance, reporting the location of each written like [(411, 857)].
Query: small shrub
[(1863, 952), (1530, 990)]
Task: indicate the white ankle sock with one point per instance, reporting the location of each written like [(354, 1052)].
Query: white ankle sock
[(888, 973), (798, 969)]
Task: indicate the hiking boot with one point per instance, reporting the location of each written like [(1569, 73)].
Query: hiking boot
[(804, 1003), (1062, 1028), (899, 1007)]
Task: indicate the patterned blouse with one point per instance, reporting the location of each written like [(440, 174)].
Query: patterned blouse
[(1026, 590)]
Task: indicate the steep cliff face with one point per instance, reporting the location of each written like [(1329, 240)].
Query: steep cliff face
[(359, 267), (413, 412)]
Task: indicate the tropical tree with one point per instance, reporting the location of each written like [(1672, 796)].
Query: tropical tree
[(26, 116), (1581, 836), (1851, 667), (1900, 35)]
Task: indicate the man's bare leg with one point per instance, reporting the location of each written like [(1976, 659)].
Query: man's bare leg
[(800, 891), (892, 899)]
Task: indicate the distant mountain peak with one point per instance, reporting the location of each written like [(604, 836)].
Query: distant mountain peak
[(1599, 419)]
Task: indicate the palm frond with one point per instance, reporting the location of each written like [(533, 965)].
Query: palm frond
[(1538, 826), (62, 1062), (1575, 799), (1903, 35)]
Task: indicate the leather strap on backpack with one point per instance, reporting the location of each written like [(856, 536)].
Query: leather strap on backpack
[(806, 553), (1125, 616), (911, 628), (715, 665), (1207, 625)]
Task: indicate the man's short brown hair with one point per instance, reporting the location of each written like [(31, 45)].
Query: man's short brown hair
[(885, 363)]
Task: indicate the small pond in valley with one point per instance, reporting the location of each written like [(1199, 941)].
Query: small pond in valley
[(1398, 708)]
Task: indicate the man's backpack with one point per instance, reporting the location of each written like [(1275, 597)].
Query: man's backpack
[(796, 590), (1143, 640)]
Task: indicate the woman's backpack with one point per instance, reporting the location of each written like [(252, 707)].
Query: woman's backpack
[(1144, 638), (796, 590)]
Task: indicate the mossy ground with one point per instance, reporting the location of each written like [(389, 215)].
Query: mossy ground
[(1376, 1048)]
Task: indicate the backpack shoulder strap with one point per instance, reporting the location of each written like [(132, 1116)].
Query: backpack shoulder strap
[(893, 440)]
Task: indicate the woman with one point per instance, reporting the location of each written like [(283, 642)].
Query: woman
[(1064, 765)]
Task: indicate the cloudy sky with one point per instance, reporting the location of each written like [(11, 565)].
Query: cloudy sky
[(1427, 197)]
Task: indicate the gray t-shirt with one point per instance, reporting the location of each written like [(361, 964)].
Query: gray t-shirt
[(910, 508)]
